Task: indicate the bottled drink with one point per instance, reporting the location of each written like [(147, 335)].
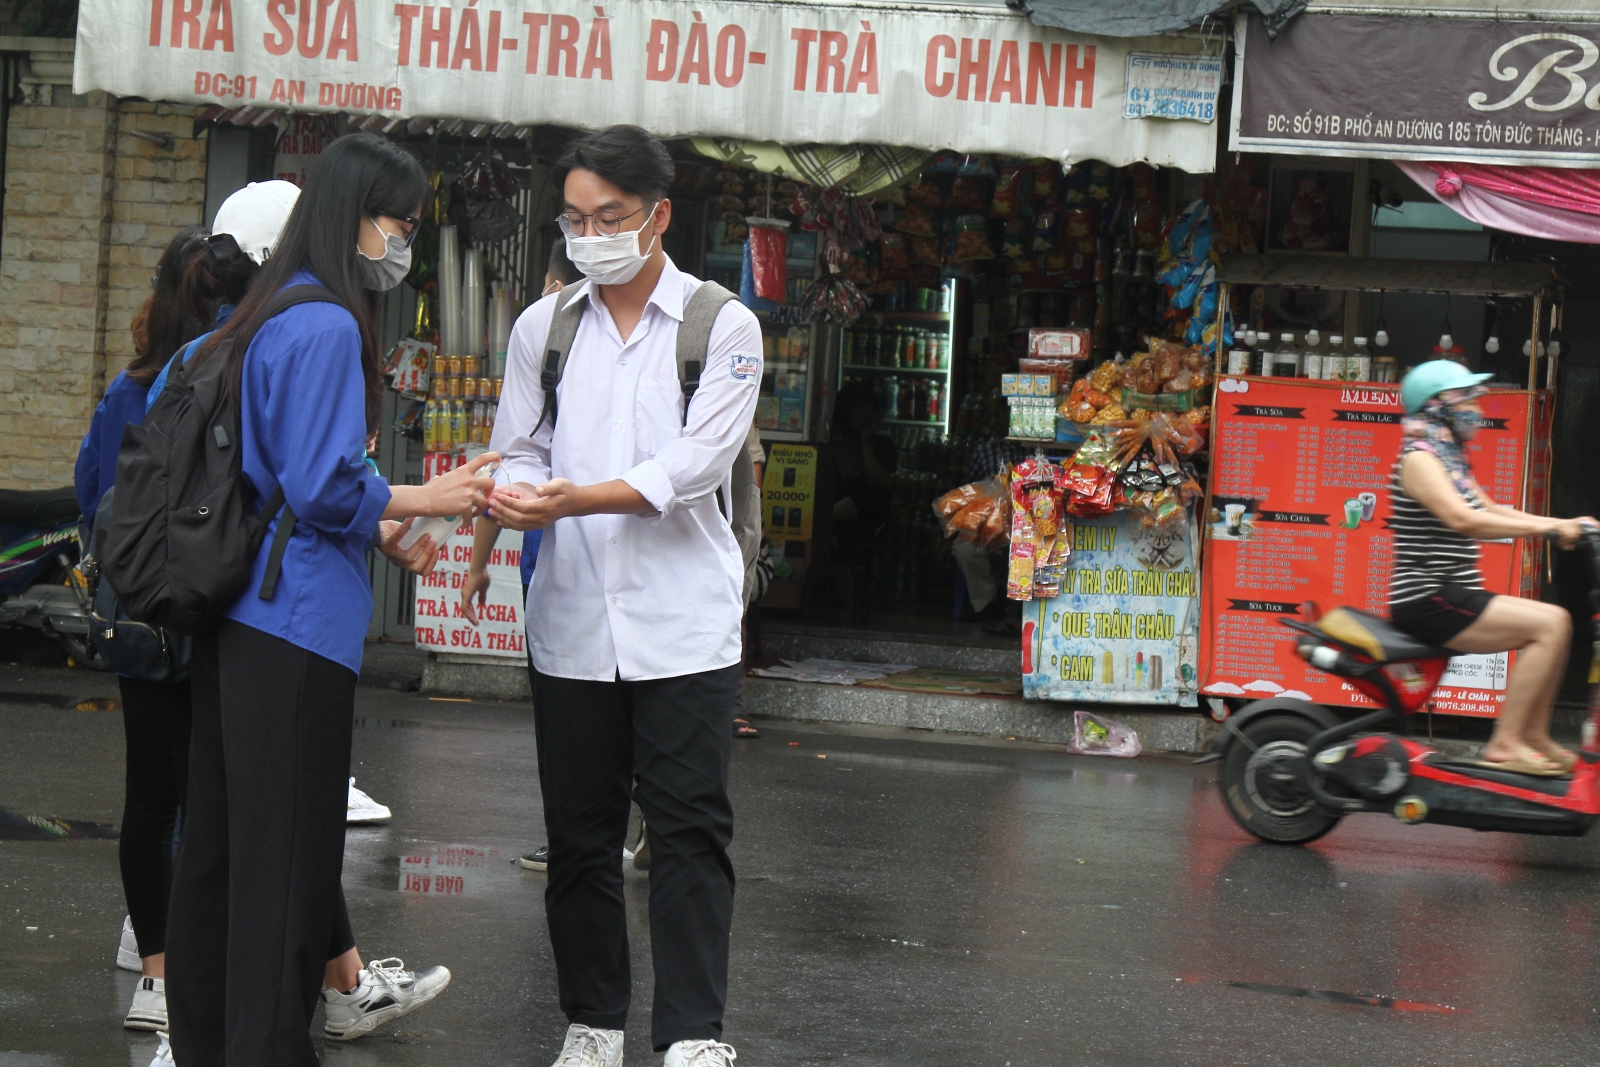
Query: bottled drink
[(908, 341), (944, 404), (1286, 361), (891, 401), (934, 394), (921, 358), (1311, 361), (1334, 363), (480, 423), (847, 346), (458, 424), (430, 426), (1358, 368)]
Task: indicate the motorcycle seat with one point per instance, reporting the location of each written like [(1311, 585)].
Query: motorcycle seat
[(1376, 636), (38, 507)]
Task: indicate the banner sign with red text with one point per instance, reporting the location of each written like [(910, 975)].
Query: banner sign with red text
[(1299, 511), (440, 625), (789, 72), (1487, 89)]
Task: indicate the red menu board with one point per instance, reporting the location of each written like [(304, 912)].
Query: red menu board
[(1298, 510)]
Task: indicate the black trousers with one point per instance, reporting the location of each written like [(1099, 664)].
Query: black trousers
[(256, 897), (667, 742), (155, 724)]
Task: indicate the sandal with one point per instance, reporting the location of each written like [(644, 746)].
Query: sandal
[(1565, 757), (742, 728), (1543, 766)]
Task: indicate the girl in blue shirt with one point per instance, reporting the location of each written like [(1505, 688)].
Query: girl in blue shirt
[(253, 898)]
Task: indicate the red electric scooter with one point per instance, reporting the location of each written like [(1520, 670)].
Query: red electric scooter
[(1291, 769)]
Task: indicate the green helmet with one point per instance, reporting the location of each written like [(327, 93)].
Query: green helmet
[(1427, 380)]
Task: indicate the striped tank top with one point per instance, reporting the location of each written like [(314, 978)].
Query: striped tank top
[(1427, 553)]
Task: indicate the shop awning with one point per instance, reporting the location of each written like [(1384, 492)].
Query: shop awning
[(1139, 18), (1387, 275), (971, 77), (1481, 82)]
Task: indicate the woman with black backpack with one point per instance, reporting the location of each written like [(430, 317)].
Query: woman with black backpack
[(253, 901)]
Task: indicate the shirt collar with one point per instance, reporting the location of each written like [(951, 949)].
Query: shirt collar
[(667, 295)]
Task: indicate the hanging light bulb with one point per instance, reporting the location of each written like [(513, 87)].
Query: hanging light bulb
[(1249, 337), (1446, 341), (1380, 336), (1492, 345), (1313, 335)]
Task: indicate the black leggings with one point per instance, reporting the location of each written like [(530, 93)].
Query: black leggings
[(155, 721)]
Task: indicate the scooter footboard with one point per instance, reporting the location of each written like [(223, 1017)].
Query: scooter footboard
[(1489, 811)]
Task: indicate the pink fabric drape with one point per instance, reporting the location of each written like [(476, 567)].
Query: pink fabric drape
[(1563, 205), (1557, 187)]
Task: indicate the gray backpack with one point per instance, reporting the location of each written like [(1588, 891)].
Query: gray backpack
[(694, 336)]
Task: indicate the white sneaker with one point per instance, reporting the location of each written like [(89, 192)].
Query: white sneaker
[(361, 808), (587, 1047), (163, 1052), (128, 948), (700, 1054), (385, 992), (149, 1010)]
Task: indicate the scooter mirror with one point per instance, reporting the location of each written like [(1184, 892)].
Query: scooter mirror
[(1309, 611)]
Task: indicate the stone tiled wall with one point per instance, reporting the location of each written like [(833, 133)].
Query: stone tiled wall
[(88, 209)]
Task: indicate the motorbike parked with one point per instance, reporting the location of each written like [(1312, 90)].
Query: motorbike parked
[(41, 584)]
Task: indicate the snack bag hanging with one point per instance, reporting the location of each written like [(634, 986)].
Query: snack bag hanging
[(769, 257)]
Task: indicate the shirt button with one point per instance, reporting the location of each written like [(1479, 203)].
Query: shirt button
[(613, 540), (613, 600)]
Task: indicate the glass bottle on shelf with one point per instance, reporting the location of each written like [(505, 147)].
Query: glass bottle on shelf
[(1358, 367), (1311, 360)]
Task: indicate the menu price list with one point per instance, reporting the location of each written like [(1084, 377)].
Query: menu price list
[(1299, 509)]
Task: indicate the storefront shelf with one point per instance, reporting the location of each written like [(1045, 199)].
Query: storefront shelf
[(942, 372), (936, 423), (909, 316)]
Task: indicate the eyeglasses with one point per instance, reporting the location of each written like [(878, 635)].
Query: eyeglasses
[(606, 223), (409, 236)]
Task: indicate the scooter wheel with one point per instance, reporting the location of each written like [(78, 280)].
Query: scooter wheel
[(1261, 782)]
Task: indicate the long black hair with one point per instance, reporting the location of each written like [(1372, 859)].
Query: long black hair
[(170, 320), (360, 175)]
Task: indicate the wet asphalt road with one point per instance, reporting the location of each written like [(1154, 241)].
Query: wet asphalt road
[(912, 899)]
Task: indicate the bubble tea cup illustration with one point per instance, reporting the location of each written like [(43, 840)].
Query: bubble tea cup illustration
[(1369, 505), (1352, 513), (1233, 515)]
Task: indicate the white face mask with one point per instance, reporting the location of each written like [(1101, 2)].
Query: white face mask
[(389, 269), (614, 260)]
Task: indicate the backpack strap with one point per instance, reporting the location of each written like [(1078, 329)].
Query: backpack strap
[(694, 336), (564, 322), (280, 541), (694, 343)]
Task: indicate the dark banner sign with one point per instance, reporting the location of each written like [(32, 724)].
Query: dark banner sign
[(1477, 89)]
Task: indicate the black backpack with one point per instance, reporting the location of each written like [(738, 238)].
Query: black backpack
[(184, 537)]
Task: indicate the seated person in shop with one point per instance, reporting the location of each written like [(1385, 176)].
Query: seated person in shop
[(863, 458), (1436, 591)]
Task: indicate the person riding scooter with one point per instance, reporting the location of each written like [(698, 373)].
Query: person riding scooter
[(1436, 592)]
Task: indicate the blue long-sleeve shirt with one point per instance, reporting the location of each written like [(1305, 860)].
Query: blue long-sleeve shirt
[(304, 427), (96, 469)]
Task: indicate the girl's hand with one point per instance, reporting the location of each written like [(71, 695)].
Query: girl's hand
[(420, 558), (526, 507), (476, 588), (463, 491)]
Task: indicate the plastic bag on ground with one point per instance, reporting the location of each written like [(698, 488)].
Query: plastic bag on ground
[(1094, 735)]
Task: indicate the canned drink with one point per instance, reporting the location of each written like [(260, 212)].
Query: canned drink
[(469, 389), (472, 366), (455, 388), (454, 363)]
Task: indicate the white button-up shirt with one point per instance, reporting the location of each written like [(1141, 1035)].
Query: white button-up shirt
[(631, 596)]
